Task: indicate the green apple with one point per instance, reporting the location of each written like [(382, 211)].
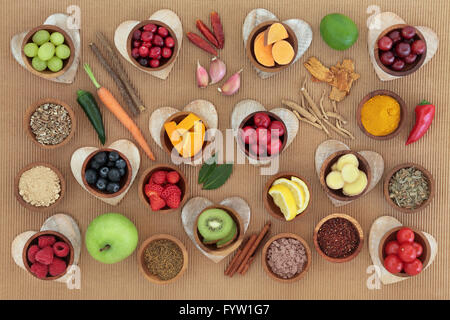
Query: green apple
[(111, 237)]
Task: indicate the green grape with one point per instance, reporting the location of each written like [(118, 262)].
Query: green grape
[(55, 64), (63, 51), (38, 64), (46, 51), (41, 37), (31, 49), (57, 38)]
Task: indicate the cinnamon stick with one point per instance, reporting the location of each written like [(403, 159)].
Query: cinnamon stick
[(233, 261), (243, 254), (254, 246), (247, 265)]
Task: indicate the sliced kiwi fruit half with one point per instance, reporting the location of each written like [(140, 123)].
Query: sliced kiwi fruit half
[(228, 239), (214, 224)]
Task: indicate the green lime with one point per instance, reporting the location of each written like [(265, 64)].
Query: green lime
[(31, 49), (63, 51), (38, 64), (338, 31), (46, 51), (41, 37), (55, 64), (57, 38)]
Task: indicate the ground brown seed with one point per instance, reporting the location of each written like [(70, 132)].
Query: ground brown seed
[(164, 259)]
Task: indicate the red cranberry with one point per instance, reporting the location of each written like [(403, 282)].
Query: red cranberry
[(143, 52), (403, 49), (146, 44), (418, 47), (166, 52), (395, 36), (137, 35), (135, 53), (170, 42), (147, 36), (143, 62), (387, 58), (158, 41), (136, 44), (155, 52), (163, 32), (385, 43), (398, 65), (410, 58), (276, 128), (248, 135), (150, 27), (408, 32), (274, 147), (154, 63)]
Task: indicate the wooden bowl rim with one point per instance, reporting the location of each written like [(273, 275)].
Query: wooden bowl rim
[(174, 49), (67, 40), (140, 257), (96, 192), (230, 247), (428, 175), (278, 214), (62, 183), (415, 66), (329, 161), (280, 236), (42, 233), (427, 248), (355, 224), (29, 112), (166, 167), (391, 94), (293, 41)]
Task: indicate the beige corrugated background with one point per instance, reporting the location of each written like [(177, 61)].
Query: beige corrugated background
[(204, 279)]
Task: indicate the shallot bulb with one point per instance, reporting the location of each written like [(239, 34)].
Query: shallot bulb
[(202, 76), (217, 70)]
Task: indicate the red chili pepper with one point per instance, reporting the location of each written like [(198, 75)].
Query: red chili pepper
[(217, 28), (201, 43), (206, 32), (424, 116)]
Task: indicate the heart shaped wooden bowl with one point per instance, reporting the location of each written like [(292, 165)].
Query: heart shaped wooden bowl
[(31, 109), (164, 62), (269, 270), (355, 224), (141, 259), (326, 169), (47, 74), (271, 207), (182, 184), (419, 237), (124, 181), (293, 41), (427, 174), (62, 182), (211, 248), (409, 68), (369, 96), (34, 240), (248, 121)]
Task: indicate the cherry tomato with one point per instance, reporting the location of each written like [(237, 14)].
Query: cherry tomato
[(418, 248), (405, 235), (261, 119), (391, 247), (413, 268), (406, 252), (393, 264)]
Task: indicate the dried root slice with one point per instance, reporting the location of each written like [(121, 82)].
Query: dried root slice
[(345, 159), (357, 187), (350, 173), (334, 180)]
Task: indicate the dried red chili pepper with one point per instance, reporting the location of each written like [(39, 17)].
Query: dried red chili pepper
[(201, 43), (206, 32), (424, 116), (217, 28)]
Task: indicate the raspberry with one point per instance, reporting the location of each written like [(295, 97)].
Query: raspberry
[(173, 201), (173, 177), (45, 256), (45, 241), (39, 270), (61, 249), (31, 254), (159, 177), (57, 267), (169, 190), (153, 189), (156, 203)]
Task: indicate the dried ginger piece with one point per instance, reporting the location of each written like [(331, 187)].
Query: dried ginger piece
[(318, 70), (337, 95)]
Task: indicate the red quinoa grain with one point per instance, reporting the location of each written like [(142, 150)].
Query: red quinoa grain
[(338, 238)]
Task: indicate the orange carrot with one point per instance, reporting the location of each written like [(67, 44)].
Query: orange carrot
[(114, 106)]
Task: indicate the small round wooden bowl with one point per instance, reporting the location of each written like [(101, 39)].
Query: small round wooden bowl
[(32, 109), (141, 259), (431, 184), (409, 68), (326, 169), (355, 224), (269, 270), (62, 182), (163, 62), (182, 184), (402, 113), (34, 240), (271, 207), (419, 237), (47, 74), (293, 41), (167, 144), (211, 248), (124, 181), (248, 121)]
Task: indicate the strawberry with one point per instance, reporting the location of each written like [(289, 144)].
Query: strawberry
[(159, 177), (153, 189), (156, 203), (169, 190), (173, 177), (173, 201)]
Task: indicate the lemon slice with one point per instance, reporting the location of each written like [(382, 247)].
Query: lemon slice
[(284, 199), (296, 190), (305, 192)]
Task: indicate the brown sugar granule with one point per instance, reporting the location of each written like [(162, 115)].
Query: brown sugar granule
[(39, 186), (164, 259), (286, 257), (338, 238)]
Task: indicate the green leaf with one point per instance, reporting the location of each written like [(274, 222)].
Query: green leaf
[(218, 176), (207, 169)]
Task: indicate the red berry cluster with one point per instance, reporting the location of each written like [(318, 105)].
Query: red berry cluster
[(263, 135), (47, 257), (402, 254), (152, 45), (400, 48), (162, 190)]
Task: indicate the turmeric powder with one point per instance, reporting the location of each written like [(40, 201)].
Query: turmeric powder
[(380, 115)]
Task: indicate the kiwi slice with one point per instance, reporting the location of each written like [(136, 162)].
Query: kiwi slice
[(228, 239), (214, 224)]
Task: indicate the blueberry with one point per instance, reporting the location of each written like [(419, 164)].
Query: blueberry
[(112, 187), (95, 165), (91, 176), (101, 157), (113, 156), (104, 172), (114, 175), (101, 184), (122, 172), (121, 164), (111, 164)]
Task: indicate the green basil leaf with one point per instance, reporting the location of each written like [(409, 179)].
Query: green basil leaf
[(206, 169), (218, 177)]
